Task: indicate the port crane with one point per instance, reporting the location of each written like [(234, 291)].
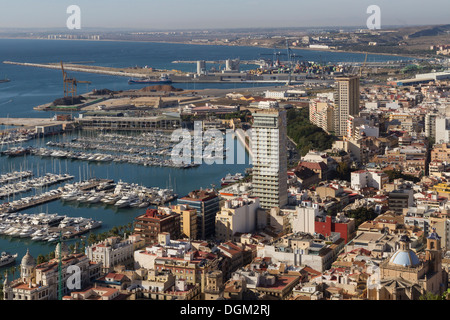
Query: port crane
[(70, 84), (363, 66), (291, 57), (276, 57)]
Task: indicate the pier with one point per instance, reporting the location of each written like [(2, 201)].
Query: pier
[(29, 202), (34, 203), (175, 77), (121, 72), (35, 183)]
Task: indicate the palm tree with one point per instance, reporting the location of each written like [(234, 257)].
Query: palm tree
[(12, 270), (92, 239)]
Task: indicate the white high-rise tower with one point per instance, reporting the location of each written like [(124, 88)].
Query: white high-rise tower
[(269, 157)]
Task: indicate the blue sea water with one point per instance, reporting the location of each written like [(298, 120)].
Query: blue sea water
[(30, 87)]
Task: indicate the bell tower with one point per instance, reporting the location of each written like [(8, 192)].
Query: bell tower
[(434, 252)]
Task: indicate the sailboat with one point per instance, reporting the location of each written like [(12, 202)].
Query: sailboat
[(4, 80)]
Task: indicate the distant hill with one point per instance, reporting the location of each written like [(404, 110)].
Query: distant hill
[(432, 31)]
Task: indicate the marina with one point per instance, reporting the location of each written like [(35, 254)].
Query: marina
[(36, 183), (14, 176), (44, 227), (93, 191), (14, 137), (120, 194), (105, 157)]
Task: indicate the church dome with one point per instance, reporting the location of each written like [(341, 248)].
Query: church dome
[(405, 258), (28, 260)]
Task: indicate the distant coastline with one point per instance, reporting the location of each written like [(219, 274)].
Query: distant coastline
[(222, 44)]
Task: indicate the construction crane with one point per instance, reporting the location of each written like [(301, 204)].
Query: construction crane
[(363, 66), (70, 84)]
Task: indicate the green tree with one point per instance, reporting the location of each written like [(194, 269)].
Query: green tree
[(92, 238), (306, 135), (430, 296), (40, 259), (395, 174), (361, 215), (115, 231), (343, 171)]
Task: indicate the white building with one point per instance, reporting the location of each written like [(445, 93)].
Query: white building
[(326, 96), (299, 250), (165, 248), (371, 105), (236, 216), (364, 178), (442, 130), (322, 114), (430, 124), (275, 94), (304, 219), (358, 127), (40, 282), (269, 141), (268, 104), (111, 252)]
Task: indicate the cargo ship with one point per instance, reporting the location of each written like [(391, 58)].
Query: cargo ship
[(164, 79)]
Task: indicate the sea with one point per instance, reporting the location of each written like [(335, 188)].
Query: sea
[(30, 87)]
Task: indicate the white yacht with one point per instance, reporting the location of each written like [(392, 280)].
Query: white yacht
[(82, 198), (144, 204), (95, 198), (38, 237), (124, 201), (70, 196), (10, 230), (53, 237), (93, 224), (26, 233), (6, 259), (16, 232)]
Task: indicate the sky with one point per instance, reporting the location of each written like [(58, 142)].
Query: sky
[(216, 14)]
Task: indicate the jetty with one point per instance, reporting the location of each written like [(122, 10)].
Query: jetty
[(122, 72), (52, 195)]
